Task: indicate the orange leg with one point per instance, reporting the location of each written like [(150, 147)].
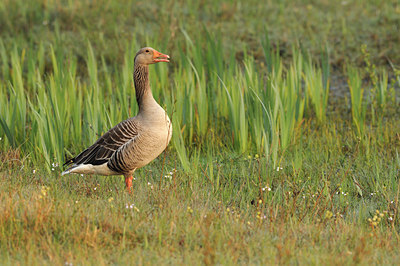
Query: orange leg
[(128, 183)]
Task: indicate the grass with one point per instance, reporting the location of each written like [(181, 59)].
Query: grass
[(266, 164), (359, 105), (315, 206)]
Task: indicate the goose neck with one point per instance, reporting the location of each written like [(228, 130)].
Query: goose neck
[(144, 96)]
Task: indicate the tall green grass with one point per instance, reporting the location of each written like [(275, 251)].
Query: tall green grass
[(317, 84), (51, 112), (358, 102)]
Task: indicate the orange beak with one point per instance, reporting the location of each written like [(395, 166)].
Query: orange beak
[(159, 57)]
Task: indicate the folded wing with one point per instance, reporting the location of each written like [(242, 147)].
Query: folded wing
[(104, 148)]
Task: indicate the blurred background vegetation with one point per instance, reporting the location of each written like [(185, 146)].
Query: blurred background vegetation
[(342, 26)]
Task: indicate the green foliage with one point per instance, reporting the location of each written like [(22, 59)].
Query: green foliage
[(66, 112), (317, 84), (358, 103)]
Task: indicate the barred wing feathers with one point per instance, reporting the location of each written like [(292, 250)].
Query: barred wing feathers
[(104, 148)]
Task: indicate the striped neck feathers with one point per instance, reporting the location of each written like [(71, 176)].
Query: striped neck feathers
[(142, 84)]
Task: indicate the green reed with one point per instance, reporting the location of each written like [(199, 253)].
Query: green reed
[(317, 84), (358, 103), (52, 112)]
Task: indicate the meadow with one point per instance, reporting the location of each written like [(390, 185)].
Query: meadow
[(285, 132)]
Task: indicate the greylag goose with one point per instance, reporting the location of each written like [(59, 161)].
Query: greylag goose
[(134, 142)]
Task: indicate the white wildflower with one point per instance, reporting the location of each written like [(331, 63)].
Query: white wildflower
[(266, 188)]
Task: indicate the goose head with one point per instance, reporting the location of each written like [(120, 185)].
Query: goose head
[(148, 55)]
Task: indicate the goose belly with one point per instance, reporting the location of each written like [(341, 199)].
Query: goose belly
[(150, 144), (151, 149)]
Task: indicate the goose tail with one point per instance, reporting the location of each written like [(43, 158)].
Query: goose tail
[(68, 171)]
